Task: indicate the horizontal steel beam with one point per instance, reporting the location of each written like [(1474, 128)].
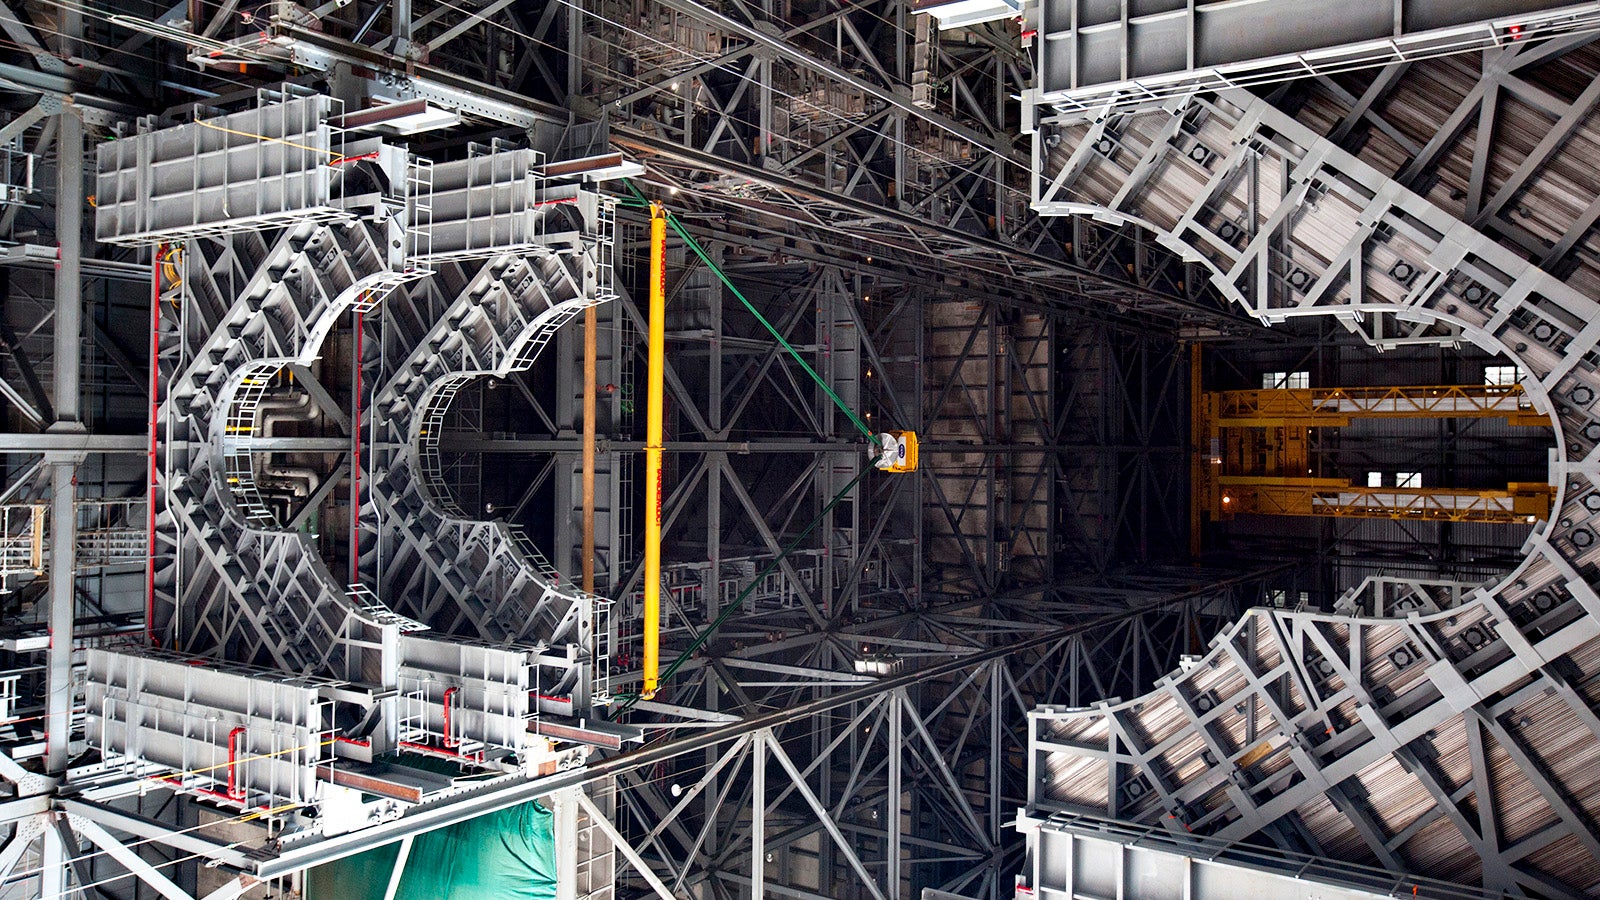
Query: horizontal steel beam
[(455, 92), (469, 443), (287, 444), (161, 832), (74, 443), (42, 257)]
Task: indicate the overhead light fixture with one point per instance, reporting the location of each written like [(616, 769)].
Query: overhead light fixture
[(961, 13), (881, 665)]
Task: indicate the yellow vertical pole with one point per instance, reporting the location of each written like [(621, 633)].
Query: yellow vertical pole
[(654, 391)]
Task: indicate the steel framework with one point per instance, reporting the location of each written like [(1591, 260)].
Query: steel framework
[(856, 730), (1362, 739)]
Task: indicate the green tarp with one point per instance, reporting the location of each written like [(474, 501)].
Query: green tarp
[(508, 855)]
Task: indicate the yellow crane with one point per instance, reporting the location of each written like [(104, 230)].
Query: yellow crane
[(1253, 453)]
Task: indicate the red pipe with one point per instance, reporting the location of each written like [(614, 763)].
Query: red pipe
[(476, 757), (449, 741), (150, 493), (350, 159), (233, 757)]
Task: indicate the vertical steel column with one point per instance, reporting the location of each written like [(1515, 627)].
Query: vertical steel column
[(919, 499), (53, 879), (764, 125), (564, 827), (996, 786), (591, 350), (357, 319), (839, 354), (991, 375), (713, 578), (69, 268), (713, 476), (1052, 437), (64, 468), (1197, 434), (401, 26), (896, 750), (758, 815), (575, 50)]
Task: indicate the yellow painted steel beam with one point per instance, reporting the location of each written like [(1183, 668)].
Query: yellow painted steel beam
[(1334, 407), (1338, 498), (655, 379)]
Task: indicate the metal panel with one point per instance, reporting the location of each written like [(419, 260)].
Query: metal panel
[(1123, 52), (1083, 858), (492, 202), (232, 733), (465, 700), (255, 169)]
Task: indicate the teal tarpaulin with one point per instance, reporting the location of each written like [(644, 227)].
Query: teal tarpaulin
[(507, 855)]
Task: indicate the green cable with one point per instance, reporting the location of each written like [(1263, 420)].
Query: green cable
[(698, 251), (723, 276), (701, 638)]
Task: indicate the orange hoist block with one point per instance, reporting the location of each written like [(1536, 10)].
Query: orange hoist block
[(895, 451)]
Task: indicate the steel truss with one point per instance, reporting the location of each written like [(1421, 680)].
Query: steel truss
[(1431, 743)]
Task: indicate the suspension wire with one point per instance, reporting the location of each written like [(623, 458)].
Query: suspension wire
[(705, 257), (728, 611)]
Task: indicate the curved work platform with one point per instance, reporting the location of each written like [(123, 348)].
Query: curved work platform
[(1462, 744), (485, 579), (247, 613), (276, 602)]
